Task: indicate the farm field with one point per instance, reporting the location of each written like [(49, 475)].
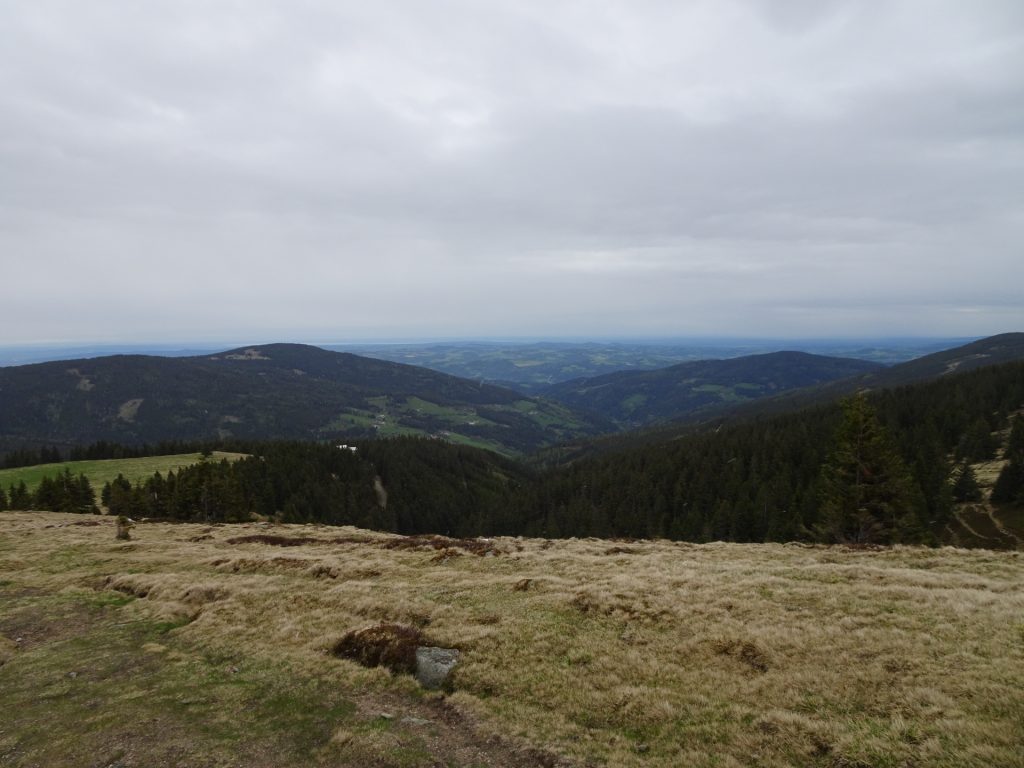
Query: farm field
[(101, 471), (212, 646)]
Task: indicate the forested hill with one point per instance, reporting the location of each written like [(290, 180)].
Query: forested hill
[(990, 351), (638, 398), (882, 468), (276, 391), (762, 479)]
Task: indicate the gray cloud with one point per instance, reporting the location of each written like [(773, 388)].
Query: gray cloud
[(327, 171)]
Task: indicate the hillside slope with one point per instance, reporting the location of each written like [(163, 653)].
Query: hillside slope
[(531, 367), (990, 351), (269, 391), (200, 645), (638, 398)]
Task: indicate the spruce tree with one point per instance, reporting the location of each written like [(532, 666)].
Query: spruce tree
[(19, 496), (966, 487), (978, 443), (868, 495), (1015, 443), (1009, 487)]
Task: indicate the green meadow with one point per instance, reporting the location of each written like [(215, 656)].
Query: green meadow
[(101, 471)]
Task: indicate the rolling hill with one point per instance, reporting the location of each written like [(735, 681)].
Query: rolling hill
[(531, 367), (270, 391), (638, 398), (993, 350), (990, 351)]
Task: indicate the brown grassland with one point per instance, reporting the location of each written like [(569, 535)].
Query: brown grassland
[(211, 646)]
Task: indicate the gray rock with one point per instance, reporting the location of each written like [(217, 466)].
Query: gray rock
[(433, 665), (418, 721)]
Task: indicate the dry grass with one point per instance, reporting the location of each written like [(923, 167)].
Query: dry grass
[(651, 654)]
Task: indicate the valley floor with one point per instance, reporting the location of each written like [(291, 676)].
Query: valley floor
[(210, 646)]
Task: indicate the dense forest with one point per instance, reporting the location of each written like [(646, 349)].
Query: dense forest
[(102, 449), (766, 480), (877, 468), (683, 392)]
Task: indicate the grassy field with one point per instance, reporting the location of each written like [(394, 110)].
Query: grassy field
[(104, 470), (203, 646), (393, 417)]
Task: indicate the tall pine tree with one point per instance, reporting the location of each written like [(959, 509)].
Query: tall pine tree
[(868, 495), (1009, 487)]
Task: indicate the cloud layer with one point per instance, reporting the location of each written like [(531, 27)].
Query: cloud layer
[(331, 170)]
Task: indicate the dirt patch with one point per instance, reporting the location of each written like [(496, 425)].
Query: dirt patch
[(449, 735), (129, 409), (385, 645), (84, 383), (35, 626), (248, 354)]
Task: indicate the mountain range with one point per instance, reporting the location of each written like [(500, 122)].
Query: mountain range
[(297, 391)]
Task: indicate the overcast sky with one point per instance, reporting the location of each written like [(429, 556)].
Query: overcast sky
[(331, 171)]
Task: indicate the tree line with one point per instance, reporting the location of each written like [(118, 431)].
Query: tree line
[(102, 449), (884, 467), (62, 493)]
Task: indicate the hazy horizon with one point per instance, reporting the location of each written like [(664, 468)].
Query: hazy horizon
[(908, 346), (495, 339), (337, 170)]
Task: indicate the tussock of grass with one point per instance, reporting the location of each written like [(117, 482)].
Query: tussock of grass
[(665, 655)]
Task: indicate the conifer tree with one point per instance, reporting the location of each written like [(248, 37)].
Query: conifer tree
[(1009, 487), (867, 492), (1015, 443), (966, 487), (978, 443), (19, 497)]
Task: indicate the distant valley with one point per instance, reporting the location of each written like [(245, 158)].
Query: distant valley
[(640, 398), (533, 367)]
